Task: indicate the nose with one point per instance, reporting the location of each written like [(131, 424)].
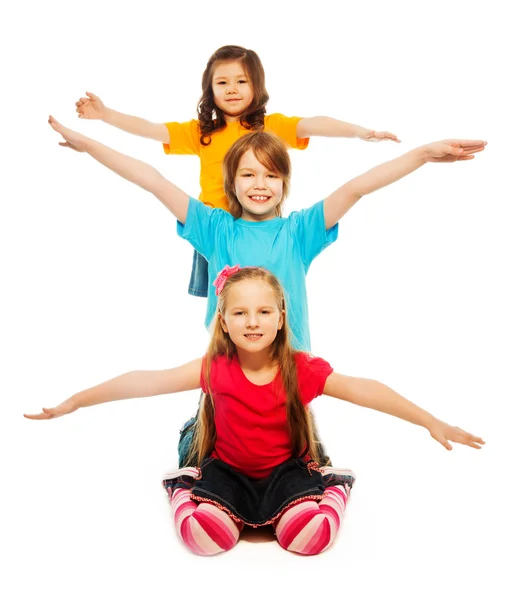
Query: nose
[(259, 183), (231, 89), (252, 321)]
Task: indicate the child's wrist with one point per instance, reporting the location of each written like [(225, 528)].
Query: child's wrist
[(429, 422), (420, 154), (106, 115), (361, 132)]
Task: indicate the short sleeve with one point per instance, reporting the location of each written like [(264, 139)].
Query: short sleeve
[(202, 226), (310, 230), (312, 375), (184, 138), (285, 127)]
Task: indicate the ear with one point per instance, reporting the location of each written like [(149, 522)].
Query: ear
[(281, 320), (222, 323)]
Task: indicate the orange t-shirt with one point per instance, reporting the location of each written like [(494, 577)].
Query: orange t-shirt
[(184, 139)]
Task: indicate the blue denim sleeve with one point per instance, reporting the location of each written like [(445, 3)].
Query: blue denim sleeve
[(202, 226), (310, 230)]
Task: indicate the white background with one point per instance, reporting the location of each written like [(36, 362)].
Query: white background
[(94, 284)]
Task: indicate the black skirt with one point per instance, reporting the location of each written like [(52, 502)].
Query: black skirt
[(257, 502)]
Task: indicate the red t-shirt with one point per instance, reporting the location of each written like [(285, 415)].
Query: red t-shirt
[(250, 419)]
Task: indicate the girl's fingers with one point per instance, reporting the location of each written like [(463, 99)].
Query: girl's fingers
[(37, 417), (474, 445), (467, 143), (467, 439), (441, 439), (445, 444), (473, 149), (454, 150), (91, 96), (53, 122)]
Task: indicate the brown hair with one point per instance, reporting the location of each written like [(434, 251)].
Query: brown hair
[(299, 419), (211, 118), (270, 151)]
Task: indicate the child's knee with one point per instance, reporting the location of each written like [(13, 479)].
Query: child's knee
[(209, 531), (309, 536)]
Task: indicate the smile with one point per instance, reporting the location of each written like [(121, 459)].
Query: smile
[(260, 198), (253, 336)]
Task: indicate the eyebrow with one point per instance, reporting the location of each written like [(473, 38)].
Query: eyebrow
[(242, 76), (270, 306)]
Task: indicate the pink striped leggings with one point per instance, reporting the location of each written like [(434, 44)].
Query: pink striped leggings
[(305, 528)]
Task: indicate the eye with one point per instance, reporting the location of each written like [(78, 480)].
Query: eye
[(273, 176), (221, 83), (265, 312), (238, 312), (247, 175), (242, 81)]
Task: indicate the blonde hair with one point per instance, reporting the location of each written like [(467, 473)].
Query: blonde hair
[(300, 422), (270, 151)]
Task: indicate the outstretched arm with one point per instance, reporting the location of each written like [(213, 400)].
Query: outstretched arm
[(329, 127), (136, 384), (92, 107), (129, 168), (376, 395), (344, 198)]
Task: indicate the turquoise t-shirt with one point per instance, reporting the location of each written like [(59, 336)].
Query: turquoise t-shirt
[(284, 246)]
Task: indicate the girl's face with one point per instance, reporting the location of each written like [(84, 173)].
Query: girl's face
[(232, 90), (258, 190), (251, 317)]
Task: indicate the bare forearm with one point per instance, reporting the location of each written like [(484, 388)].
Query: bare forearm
[(136, 125), (328, 127), (129, 168), (343, 199), (386, 173), (141, 174), (377, 396), (135, 384)]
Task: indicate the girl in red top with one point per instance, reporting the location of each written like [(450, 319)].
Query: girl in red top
[(254, 446)]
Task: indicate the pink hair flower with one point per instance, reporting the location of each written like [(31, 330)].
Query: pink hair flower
[(223, 276)]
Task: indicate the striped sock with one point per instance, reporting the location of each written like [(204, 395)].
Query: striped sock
[(310, 527), (204, 528)]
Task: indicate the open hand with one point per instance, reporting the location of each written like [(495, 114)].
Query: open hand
[(444, 433), (91, 107), (64, 408), (452, 150), (73, 139), (368, 135)]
